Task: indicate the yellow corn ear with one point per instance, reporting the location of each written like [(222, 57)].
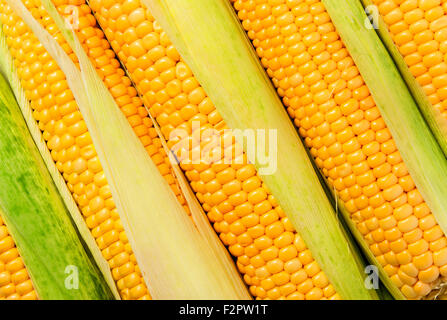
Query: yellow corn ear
[(341, 125)]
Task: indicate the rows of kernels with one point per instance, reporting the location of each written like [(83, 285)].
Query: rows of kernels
[(15, 283), (66, 134), (272, 257), (419, 29), (341, 125)]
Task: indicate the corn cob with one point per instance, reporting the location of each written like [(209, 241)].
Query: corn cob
[(273, 258), (67, 137), (330, 104), (15, 283)]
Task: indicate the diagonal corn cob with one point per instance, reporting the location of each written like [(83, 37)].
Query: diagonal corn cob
[(67, 137), (343, 128)]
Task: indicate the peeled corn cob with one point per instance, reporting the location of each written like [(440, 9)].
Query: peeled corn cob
[(343, 128), (67, 137), (15, 283), (272, 256)]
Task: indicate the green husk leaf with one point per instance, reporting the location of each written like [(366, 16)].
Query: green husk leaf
[(37, 218), (230, 73), (9, 71), (174, 257)]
